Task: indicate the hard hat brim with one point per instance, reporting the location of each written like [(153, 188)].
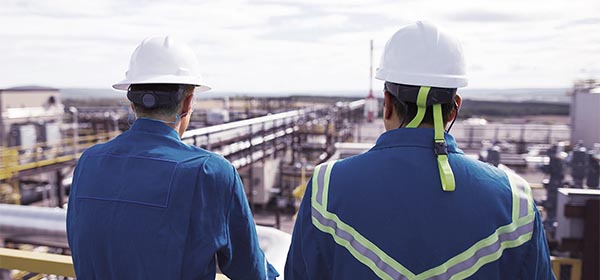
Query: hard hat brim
[(165, 79), (421, 79)]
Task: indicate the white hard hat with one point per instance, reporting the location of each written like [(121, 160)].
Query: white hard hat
[(420, 54), (163, 60)]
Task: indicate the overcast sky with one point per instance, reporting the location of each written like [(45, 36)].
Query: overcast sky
[(295, 46)]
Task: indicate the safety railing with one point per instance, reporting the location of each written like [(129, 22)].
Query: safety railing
[(250, 132), (266, 122), (61, 265), (473, 135), (246, 141), (558, 263), (19, 158), (42, 264)]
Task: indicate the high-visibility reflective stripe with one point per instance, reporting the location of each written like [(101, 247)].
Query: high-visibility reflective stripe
[(484, 251), (523, 205), (360, 247), (522, 196), (361, 252), (320, 180), (421, 107), (491, 253), (326, 184), (461, 266)]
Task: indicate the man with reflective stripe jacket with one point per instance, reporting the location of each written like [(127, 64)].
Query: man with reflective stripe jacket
[(415, 206)]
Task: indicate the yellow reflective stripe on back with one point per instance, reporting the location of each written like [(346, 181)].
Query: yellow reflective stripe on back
[(463, 265), (515, 199), (489, 241), (353, 238), (494, 256), (522, 196), (369, 263), (315, 186), (326, 185), (379, 264)]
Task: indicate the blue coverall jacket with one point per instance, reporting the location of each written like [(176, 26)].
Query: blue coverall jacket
[(383, 214), (147, 206)]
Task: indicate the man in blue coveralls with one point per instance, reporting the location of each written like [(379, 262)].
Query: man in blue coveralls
[(414, 206), (145, 205)]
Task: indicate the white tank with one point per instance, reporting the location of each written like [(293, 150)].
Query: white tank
[(585, 115)]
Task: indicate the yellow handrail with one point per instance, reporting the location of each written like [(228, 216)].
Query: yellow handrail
[(17, 158), (44, 263), (69, 141), (575, 264), (36, 262)]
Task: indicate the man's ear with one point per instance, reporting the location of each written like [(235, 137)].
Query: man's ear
[(187, 103), (388, 106), (458, 101)]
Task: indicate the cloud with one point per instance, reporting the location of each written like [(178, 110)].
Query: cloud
[(55, 8), (303, 29), (315, 23), (486, 16), (579, 22), (285, 45)]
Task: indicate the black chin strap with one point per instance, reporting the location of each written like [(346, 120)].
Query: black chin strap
[(455, 116)]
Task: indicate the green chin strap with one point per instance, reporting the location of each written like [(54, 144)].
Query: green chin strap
[(446, 175), (439, 145)]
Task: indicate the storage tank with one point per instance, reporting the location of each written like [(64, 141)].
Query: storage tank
[(585, 113), (23, 106)]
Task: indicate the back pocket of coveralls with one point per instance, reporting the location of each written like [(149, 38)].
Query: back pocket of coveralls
[(139, 180)]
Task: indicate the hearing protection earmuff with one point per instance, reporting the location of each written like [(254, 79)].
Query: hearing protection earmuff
[(152, 98)]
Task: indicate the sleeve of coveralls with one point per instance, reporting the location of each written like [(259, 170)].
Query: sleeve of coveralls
[(537, 264), (71, 202), (303, 253), (242, 258)]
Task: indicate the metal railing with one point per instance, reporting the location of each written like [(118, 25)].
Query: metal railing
[(266, 122), (242, 142), (285, 117), (473, 135), (43, 263), (18, 158)]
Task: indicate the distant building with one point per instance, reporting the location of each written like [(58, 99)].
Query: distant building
[(217, 116), (30, 114), (585, 115)]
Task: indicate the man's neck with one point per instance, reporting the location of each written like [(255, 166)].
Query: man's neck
[(174, 124)]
